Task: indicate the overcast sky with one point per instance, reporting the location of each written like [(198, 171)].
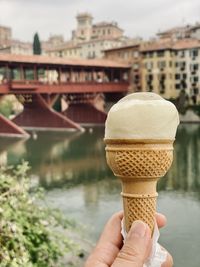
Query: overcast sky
[(137, 17)]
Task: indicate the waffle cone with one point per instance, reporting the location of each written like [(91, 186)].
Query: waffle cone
[(139, 164)]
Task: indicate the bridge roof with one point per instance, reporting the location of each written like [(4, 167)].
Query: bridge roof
[(46, 60)]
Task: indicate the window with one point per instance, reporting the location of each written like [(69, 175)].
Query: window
[(151, 54), (161, 64), (177, 76), (125, 55), (194, 53), (149, 65), (135, 54), (182, 65), (178, 86), (15, 73), (149, 78), (160, 53), (194, 67), (182, 53), (135, 66)]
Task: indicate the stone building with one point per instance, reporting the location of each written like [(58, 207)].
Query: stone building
[(17, 47), (87, 31), (10, 46), (67, 49), (181, 32), (54, 41), (172, 67), (89, 40), (128, 54), (5, 35)]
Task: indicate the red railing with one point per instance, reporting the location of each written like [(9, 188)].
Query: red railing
[(25, 86)]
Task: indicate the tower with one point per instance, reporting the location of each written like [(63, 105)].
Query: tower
[(83, 31)]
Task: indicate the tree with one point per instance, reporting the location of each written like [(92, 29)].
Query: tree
[(36, 45)]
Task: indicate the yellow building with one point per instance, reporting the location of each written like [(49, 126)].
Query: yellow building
[(158, 69), (172, 67)]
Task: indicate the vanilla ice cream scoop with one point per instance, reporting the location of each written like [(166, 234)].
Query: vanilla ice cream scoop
[(142, 116)]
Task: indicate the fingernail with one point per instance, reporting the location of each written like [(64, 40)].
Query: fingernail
[(138, 228)]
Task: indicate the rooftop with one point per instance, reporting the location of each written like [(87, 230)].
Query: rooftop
[(45, 60), (169, 44), (66, 45), (121, 47), (156, 45), (174, 30)]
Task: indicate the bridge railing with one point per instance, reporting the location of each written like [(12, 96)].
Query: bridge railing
[(24, 86)]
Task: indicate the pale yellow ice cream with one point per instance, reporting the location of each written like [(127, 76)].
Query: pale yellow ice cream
[(142, 116)]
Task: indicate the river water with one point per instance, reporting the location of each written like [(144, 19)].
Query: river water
[(72, 169)]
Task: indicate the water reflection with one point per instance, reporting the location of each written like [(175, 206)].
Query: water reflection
[(184, 174), (68, 159), (73, 170)]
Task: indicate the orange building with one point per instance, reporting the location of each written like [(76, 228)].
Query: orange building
[(128, 54)]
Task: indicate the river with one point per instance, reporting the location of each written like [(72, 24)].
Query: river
[(72, 169)]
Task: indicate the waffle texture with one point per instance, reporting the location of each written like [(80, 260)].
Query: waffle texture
[(139, 166)]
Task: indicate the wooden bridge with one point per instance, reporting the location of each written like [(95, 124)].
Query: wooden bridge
[(80, 85)]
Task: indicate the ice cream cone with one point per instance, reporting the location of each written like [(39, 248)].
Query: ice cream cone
[(139, 164)]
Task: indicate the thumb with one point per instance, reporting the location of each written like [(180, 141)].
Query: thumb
[(136, 248)]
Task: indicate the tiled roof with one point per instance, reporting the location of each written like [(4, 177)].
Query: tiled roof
[(121, 47), (174, 30), (156, 45), (67, 45), (186, 43), (173, 45), (61, 61)]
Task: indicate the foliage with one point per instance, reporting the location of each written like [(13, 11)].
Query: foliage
[(6, 107), (28, 236), (36, 45)]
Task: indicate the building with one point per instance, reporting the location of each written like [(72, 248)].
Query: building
[(195, 31), (54, 41), (171, 67), (89, 40), (17, 47), (181, 32), (10, 46), (5, 35), (87, 31), (128, 54), (95, 48), (67, 49)]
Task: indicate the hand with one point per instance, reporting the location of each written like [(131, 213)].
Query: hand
[(110, 250)]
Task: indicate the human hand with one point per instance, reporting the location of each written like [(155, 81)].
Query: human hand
[(110, 250)]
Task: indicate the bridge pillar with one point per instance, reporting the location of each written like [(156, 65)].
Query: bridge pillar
[(10, 129), (86, 112), (38, 115)]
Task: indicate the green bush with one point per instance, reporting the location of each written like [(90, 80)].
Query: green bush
[(6, 108), (28, 235)]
